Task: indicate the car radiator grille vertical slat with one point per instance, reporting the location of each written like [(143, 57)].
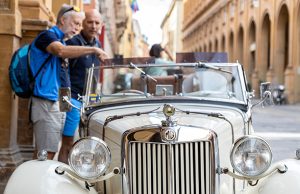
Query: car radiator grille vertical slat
[(150, 169)]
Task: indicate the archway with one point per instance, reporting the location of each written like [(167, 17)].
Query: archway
[(297, 80), (240, 46), (265, 48), (230, 50), (282, 46), (216, 45), (298, 35), (210, 47), (223, 44), (252, 50)]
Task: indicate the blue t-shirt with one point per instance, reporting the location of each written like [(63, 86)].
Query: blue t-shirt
[(48, 81), (79, 65), (42, 43)]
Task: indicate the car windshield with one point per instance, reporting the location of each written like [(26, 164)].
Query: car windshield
[(127, 80)]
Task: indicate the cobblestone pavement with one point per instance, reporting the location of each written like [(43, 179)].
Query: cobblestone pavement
[(280, 126)]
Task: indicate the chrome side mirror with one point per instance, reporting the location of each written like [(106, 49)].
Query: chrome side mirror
[(265, 88), (266, 94)]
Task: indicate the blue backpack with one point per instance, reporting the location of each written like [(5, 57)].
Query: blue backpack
[(20, 74)]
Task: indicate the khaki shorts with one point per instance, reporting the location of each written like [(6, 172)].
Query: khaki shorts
[(48, 123)]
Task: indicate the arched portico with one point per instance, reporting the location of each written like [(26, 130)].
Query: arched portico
[(297, 65), (223, 44), (265, 54), (216, 45), (252, 52), (282, 46), (240, 46), (230, 46)]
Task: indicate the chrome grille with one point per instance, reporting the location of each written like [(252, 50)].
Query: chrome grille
[(171, 168)]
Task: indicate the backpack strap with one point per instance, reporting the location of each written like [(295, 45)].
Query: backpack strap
[(45, 62), (28, 60)]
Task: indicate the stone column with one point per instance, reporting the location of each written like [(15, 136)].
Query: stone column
[(10, 33)]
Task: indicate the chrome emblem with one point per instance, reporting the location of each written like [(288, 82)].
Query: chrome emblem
[(169, 135)]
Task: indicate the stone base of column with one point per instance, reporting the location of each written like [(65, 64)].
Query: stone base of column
[(289, 82), (255, 84), (9, 160)]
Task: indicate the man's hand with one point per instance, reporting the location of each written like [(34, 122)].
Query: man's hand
[(101, 54)]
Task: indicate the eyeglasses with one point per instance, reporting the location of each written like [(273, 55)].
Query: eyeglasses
[(73, 8)]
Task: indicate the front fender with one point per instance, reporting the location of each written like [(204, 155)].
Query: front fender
[(39, 177), (277, 183)]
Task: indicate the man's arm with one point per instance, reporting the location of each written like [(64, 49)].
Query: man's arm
[(60, 50)]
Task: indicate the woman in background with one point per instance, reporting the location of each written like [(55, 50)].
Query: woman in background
[(157, 51)]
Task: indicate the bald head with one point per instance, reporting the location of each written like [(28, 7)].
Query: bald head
[(93, 13), (92, 24)]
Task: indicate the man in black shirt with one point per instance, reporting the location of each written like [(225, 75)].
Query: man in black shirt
[(92, 25)]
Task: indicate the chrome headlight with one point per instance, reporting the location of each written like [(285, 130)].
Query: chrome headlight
[(89, 157), (251, 156)]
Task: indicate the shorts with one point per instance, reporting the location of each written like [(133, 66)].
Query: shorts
[(72, 119), (48, 123)]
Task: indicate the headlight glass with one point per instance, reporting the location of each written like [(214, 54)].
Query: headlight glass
[(251, 156), (90, 157)]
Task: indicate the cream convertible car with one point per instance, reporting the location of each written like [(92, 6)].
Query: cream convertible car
[(189, 132)]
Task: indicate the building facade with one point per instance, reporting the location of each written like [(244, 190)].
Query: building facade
[(263, 35), (21, 21), (172, 27)]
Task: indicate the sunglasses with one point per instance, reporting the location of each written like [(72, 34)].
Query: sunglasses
[(73, 8)]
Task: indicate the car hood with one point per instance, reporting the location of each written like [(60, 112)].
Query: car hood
[(222, 126)]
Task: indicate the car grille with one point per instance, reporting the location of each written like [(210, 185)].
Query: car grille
[(180, 168)]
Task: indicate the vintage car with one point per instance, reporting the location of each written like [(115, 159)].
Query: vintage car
[(189, 132)]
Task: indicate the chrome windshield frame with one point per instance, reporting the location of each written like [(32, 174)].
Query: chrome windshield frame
[(87, 100)]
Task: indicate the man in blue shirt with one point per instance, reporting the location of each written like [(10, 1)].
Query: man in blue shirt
[(92, 25), (48, 121)]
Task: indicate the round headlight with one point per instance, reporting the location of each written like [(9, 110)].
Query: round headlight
[(251, 156), (89, 157)]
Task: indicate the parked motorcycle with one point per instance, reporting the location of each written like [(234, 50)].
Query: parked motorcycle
[(279, 96)]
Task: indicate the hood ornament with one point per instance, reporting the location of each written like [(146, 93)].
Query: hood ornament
[(168, 131), (169, 111)]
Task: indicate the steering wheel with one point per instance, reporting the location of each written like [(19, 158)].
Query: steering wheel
[(131, 91)]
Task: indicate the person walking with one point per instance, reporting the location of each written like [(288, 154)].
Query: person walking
[(50, 47), (92, 25)]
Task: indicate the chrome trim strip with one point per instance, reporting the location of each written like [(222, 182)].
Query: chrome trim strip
[(197, 168), (144, 168), (154, 170), (171, 169)]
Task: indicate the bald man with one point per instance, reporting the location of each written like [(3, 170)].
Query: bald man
[(88, 36)]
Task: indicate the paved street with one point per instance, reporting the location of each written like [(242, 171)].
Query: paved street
[(280, 126)]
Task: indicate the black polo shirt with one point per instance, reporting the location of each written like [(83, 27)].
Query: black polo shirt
[(79, 65)]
